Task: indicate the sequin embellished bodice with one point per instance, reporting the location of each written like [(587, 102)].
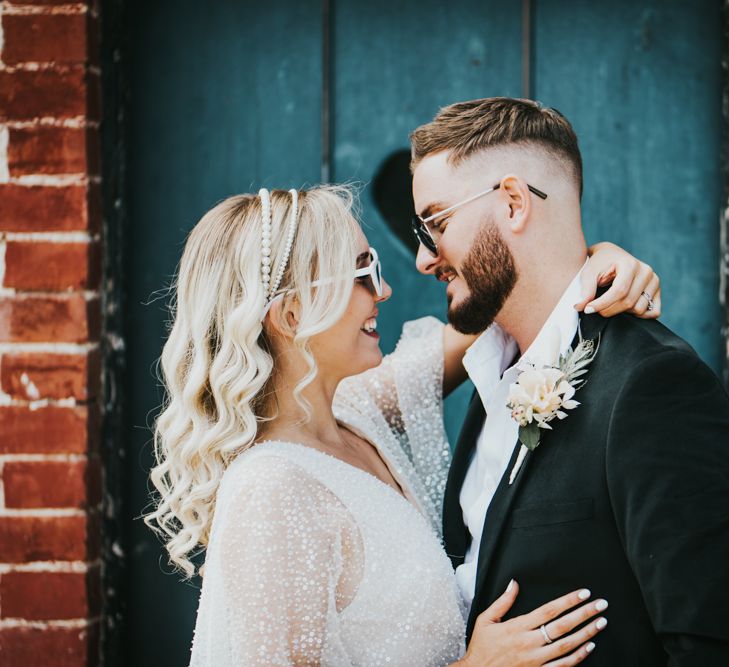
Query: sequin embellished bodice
[(312, 561)]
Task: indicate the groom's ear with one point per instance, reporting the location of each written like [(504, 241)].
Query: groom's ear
[(515, 191)]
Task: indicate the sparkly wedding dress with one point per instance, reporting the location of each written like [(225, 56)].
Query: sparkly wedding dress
[(312, 561)]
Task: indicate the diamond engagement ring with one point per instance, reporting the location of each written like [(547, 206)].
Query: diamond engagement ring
[(545, 634), (649, 299)]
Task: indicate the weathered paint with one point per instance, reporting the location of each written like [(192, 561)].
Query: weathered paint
[(228, 96), (641, 82)]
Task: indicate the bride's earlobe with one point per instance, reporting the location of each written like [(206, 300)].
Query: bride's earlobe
[(283, 321)]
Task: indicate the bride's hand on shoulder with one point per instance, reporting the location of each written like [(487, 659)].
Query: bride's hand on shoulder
[(633, 284), (520, 641)]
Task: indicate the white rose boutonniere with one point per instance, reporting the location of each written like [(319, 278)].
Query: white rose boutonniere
[(543, 393)]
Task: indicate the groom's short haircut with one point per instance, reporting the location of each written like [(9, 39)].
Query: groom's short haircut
[(465, 128)]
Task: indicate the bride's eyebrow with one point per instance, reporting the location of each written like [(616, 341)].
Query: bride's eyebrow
[(362, 257)]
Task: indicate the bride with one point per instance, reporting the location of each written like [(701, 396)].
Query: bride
[(310, 470)]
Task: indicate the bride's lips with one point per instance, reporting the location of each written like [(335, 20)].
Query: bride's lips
[(373, 333)]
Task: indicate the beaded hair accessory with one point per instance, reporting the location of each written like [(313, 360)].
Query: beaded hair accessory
[(271, 287)]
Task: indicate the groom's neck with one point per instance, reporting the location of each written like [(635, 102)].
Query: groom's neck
[(536, 294)]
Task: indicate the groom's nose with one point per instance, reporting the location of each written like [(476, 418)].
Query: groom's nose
[(424, 261)]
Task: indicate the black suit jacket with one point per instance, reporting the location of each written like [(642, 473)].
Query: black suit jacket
[(628, 496)]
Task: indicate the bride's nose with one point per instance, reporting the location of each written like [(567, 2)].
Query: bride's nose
[(386, 292)]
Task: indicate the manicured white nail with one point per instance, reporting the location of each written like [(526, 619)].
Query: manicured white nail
[(510, 586), (601, 605), (589, 310), (601, 623), (584, 594), (590, 647)]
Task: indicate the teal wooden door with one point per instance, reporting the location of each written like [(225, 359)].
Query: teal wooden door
[(225, 97), (229, 96)]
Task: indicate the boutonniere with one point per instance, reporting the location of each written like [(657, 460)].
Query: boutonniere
[(543, 393)]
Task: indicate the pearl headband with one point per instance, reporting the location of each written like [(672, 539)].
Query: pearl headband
[(270, 288)]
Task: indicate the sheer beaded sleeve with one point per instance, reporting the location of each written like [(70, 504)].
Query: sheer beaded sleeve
[(406, 393), (286, 559)]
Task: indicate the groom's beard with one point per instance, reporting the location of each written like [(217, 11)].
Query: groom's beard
[(490, 273)]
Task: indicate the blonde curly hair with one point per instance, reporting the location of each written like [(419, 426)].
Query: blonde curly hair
[(217, 365)]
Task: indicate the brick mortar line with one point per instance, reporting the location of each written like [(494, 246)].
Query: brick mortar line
[(89, 295), (4, 141), (70, 9), (61, 68), (53, 180), (43, 458), (71, 567), (7, 401), (42, 512), (75, 123), (51, 237), (74, 624)]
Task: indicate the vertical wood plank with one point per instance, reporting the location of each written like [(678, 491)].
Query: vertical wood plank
[(326, 87), (226, 97), (641, 83), (395, 65)]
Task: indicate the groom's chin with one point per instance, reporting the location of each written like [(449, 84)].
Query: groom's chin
[(463, 322), (470, 317), (466, 329)]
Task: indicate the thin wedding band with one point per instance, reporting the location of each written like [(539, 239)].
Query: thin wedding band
[(545, 634), (649, 299)]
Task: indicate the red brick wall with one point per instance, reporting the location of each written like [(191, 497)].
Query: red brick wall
[(50, 476)]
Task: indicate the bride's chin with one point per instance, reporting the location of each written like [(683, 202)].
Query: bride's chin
[(364, 362)]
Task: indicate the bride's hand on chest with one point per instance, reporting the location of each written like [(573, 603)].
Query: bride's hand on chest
[(546, 636)]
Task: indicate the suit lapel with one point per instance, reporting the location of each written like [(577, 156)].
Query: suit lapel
[(496, 518), (455, 534), (590, 327)]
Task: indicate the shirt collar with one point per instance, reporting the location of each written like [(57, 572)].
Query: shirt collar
[(489, 356)]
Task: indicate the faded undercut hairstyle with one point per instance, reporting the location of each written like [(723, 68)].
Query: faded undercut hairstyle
[(216, 364), (465, 128)]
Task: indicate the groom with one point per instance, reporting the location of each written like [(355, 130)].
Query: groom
[(627, 493)]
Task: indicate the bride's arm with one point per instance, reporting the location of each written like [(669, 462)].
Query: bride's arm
[(276, 558), (608, 263)]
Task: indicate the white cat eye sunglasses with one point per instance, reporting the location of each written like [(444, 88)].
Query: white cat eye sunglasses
[(373, 271)]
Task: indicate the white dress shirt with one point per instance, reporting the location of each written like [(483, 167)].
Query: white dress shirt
[(486, 362)]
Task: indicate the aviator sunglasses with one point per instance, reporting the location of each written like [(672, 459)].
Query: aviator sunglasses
[(428, 234)]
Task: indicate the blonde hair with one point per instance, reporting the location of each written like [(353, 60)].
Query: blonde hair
[(217, 365)]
